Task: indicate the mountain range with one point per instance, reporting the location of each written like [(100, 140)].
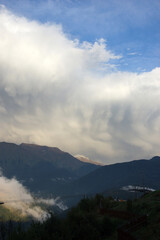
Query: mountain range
[(115, 176), (50, 170), (41, 168)]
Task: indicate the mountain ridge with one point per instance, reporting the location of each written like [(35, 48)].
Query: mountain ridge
[(40, 168), (50, 170), (87, 160), (117, 175)]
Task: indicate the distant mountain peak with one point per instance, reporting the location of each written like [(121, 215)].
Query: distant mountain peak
[(87, 160), (155, 158)]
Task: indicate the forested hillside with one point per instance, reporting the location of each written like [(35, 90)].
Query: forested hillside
[(97, 218)]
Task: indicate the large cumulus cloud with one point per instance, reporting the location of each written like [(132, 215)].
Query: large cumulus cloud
[(57, 91)]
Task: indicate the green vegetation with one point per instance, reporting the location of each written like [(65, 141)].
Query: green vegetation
[(10, 214), (149, 205), (95, 218)]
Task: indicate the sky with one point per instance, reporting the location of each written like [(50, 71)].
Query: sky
[(83, 76)]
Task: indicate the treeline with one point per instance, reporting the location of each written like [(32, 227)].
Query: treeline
[(96, 218), (82, 222)]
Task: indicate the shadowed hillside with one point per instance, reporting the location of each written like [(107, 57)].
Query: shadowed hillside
[(138, 172), (39, 167)]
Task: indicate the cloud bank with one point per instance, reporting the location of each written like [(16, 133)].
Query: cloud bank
[(16, 196), (60, 92)]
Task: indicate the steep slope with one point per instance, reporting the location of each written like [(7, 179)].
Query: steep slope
[(40, 167), (138, 172)]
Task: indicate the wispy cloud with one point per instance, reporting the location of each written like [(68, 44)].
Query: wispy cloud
[(16, 197), (59, 91), (132, 53), (110, 17)]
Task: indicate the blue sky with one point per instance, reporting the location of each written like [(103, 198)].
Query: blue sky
[(130, 27), (83, 76)]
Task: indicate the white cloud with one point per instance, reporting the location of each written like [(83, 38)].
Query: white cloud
[(60, 92), (132, 53), (16, 196)]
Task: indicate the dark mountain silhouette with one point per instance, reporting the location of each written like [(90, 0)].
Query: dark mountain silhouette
[(137, 172), (50, 170), (41, 168)]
